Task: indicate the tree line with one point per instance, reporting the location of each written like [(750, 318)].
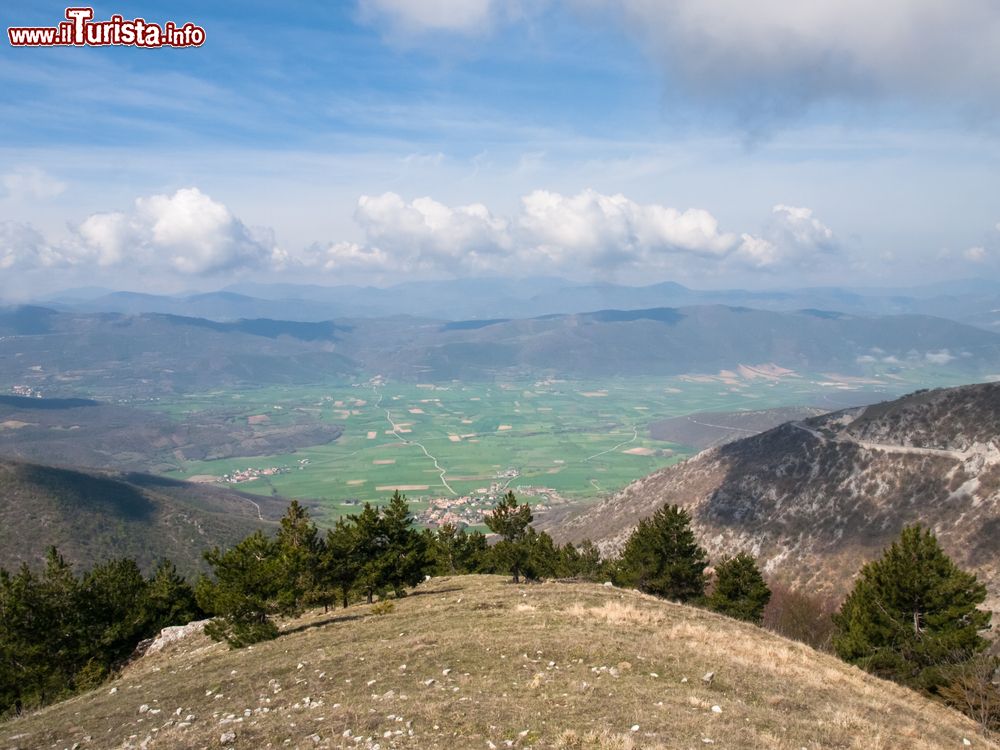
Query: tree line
[(61, 633), (912, 616)]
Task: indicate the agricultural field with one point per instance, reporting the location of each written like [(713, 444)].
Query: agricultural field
[(453, 447)]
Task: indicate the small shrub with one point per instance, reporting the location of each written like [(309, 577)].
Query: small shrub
[(383, 607), (240, 633), (971, 688), (802, 617)]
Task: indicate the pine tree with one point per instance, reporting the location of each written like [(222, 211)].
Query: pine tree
[(339, 563), (473, 553), (510, 521), (60, 633), (112, 610), (740, 590), (569, 561), (298, 547), (248, 580), (912, 612), (58, 619), (590, 566), (370, 546), (444, 547), (170, 599), (542, 559), (583, 561), (23, 656), (455, 551), (406, 559), (662, 557)]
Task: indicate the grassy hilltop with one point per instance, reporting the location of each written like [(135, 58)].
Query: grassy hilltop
[(476, 662)]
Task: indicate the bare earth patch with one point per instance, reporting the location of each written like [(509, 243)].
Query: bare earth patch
[(14, 424)]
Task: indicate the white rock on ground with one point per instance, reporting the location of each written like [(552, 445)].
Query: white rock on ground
[(176, 633)]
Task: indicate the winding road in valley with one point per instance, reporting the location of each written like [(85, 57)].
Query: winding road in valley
[(395, 431)]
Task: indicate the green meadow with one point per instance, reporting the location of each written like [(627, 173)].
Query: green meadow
[(580, 439)]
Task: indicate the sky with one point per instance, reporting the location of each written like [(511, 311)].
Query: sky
[(717, 143)]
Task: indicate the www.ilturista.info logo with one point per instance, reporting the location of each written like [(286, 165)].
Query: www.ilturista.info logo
[(80, 30)]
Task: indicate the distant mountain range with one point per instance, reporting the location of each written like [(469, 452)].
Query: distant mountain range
[(814, 499), (975, 301), (66, 353)]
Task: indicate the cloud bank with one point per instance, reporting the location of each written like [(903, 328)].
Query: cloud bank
[(556, 233), (189, 234)]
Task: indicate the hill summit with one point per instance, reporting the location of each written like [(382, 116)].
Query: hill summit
[(478, 662)]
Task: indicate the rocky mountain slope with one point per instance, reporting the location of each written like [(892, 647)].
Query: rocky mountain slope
[(92, 516), (476, 662), (815, 499)]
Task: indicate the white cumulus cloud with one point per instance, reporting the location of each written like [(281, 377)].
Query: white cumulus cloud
[(347, 257), (557, 233), (424, 234), (611, 230), (23, 247), (187, 232), (795, 236)]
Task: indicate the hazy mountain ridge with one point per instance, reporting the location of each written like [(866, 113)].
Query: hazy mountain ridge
[(814, 499), (149, 353), (972, 301), (145, 354)]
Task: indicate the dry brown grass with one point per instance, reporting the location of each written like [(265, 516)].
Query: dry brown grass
[(476, 662)]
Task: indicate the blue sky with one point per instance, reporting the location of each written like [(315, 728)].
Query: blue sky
[(713, 142)]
